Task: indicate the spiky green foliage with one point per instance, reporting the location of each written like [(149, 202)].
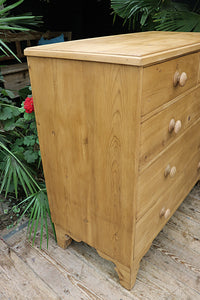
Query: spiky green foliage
[(19, 23), (136, 11), (165, 15), (10, 22), (177, 16)]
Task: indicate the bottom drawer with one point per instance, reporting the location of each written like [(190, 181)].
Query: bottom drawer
[(156, 217)]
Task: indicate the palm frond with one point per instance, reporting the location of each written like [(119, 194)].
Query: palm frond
[(13, 173), (15, 23), (16, 170), (40, 212), (9, 51), (132, 10), (164, 15), (9, 7), (185, 21), (36, 197)]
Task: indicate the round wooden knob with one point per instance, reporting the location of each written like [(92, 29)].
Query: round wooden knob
[(198, 166), (162, 212), (173, 171), (167, 213), (176, 78), (177, 126), (180, 78), (183, 79), (171, 125), (167, 170)]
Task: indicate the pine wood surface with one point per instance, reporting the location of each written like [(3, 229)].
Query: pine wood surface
[(155, 135), (169, 270), (132, 49), (163, 189), (91, 119), (158, 85), (99, 161)]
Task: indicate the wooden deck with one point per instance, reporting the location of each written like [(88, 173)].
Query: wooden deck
[(170, 269)]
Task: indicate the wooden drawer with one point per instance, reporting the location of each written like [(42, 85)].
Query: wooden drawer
[(158, 81), (153, 221), (154, 184), (155, 132)]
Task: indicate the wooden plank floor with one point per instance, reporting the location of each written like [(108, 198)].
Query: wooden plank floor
[(170, 269)]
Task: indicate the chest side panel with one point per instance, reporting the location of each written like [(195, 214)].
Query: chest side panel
[(88, 123)]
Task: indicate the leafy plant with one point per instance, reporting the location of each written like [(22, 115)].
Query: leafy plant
[(136, 12), (20, 162), (165, 15), (14, 23)]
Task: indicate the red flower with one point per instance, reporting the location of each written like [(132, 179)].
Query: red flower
[(28, 105)]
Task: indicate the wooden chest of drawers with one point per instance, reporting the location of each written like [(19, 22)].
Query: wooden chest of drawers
[(119, 127)]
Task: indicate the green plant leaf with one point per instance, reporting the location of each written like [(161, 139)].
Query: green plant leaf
[(16, 209), (19, 141), (10, 7), (8, 93), (33, 127), (30, 156), (9, 124), (6, 113), (28, 117), (132, 10), (21, 109), (7, 48), (29, 140), (12, 163)]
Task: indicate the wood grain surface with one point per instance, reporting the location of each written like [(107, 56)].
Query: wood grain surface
[(88, 128), (137, 49), (155, 135), (184, 154), (115, 170), (158, 85)]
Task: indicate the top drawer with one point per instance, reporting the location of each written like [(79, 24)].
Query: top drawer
[(159, 80)]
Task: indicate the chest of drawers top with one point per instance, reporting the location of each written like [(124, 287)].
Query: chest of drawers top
[(137, 49)]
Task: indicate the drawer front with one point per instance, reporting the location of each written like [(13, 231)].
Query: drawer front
[(165, 127), (159, 81), (155, 218), (169, 172)]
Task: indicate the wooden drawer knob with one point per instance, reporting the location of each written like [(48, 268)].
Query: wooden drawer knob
[(173, 171), (175, 126), (183, 79), (170, 171), (171, 125), (165, 213), (180, 78), (167, 170), (198, 166)]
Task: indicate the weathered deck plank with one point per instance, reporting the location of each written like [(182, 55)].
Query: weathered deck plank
[(17, 279), (170, 269)]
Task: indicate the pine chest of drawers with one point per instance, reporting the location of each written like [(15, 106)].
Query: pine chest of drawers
[(118, 120)]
